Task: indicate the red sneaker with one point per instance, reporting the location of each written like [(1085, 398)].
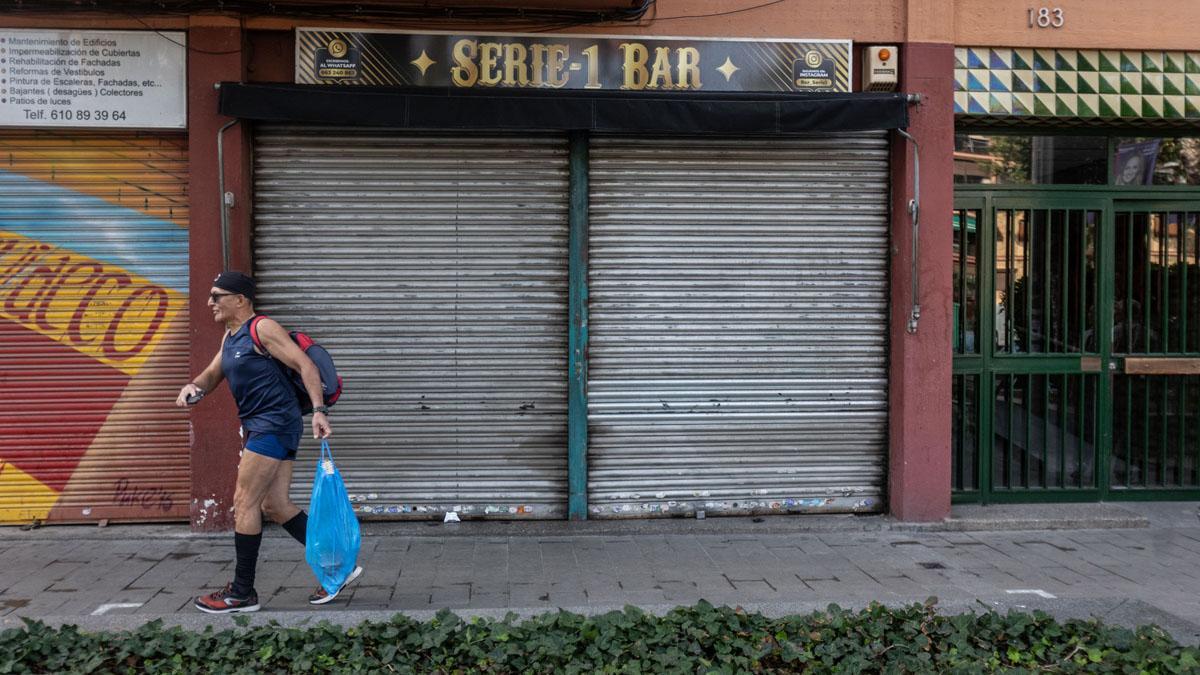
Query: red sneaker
[(321, 597), (225, 602)]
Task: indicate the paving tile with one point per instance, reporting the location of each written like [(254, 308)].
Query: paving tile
[(634, 582), (41, 606), (451, 595), (49, 575), (393, 545), (527, 595), (409, 600), (87, 603), (567, 597), (168, 602), (368, 597), (489, 600)]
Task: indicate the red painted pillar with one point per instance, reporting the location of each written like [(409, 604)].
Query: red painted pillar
[(920, 383), (215, 55)]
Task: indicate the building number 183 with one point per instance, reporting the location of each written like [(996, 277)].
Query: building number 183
[(1046, 17)]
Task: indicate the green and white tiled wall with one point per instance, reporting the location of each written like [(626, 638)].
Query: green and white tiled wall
[(1077, 83)]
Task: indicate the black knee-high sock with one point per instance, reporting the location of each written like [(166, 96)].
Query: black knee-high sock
[(298, 527), (246, 547)]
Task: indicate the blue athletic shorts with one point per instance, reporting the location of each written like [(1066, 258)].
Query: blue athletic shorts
[(276, 446)]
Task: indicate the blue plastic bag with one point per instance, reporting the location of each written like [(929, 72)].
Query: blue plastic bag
[(333, 539)]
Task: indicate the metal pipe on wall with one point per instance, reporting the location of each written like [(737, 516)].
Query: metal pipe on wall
[(226, 197), (914, 213)]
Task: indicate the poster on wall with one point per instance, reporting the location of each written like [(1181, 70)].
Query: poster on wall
[(112, 79), (1134, 162), (584, 62)]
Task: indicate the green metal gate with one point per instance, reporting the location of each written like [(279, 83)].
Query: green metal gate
[(1077, 346), (1156, 348)]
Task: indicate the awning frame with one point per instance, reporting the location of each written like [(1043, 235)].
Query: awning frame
[(597, 111)]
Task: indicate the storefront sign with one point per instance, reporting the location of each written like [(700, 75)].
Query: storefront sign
[(59, 78), (570, 62)]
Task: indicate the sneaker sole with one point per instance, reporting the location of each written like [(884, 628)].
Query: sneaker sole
[(349, 580), (231, 610)]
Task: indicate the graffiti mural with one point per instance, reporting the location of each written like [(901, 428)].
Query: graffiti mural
[(93, 326)]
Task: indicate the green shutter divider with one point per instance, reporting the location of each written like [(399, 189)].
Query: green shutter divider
[(577, 332)]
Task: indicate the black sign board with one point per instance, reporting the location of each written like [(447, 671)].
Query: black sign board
[(629, 63)]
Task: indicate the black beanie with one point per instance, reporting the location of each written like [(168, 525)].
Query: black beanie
[(236, 282)]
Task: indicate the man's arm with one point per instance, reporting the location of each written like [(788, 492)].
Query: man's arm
[(280, 345), (203, 383)]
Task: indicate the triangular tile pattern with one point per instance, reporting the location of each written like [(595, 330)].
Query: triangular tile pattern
[(1022, 82), (1077, 83), (1089, 61), (1173, 62), (1089, 83), (1001, 59), (1174, 84), (1022, 59), (1110, 83)]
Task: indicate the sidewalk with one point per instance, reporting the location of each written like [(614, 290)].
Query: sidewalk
[(1128, 564)]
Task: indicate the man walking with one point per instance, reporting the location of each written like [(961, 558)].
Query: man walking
[(271, 428)]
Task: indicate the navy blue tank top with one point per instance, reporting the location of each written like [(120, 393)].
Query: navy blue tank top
[(265, 398)]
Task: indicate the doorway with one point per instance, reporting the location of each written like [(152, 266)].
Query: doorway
[(1077, 345)]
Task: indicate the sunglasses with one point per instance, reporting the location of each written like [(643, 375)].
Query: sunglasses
[(216, 297)]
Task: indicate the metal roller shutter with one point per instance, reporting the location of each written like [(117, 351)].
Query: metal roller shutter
[(738, 302), (93, 326), (434, 269)]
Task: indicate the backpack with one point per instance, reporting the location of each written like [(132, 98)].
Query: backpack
[(331, 382)]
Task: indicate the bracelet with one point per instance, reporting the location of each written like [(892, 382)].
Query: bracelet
[(324, 410)]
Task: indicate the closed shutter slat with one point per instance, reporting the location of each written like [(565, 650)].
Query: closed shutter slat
[(93, 326), (434, 269), (737, 325)]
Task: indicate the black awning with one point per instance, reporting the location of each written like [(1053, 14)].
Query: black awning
[(611, 111)]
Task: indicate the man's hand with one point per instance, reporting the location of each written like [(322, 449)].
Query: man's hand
[(320, 426), (188, 389)]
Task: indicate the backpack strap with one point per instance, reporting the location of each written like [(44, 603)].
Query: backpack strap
[(254, 333)]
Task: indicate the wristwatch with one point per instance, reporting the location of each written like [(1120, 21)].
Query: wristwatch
[(321, 409)]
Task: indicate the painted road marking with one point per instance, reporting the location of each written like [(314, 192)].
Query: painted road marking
[(104, 609), (1032, 591)]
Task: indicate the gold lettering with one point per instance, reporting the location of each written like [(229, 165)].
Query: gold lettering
[(689, 68), (488, 75), (465, 73), (593, 67), (516, 72), (554, 67), (660, 74), (539, 62), (635, 56)]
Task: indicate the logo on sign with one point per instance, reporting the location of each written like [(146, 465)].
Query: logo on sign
[(814, 71), (337, 60)]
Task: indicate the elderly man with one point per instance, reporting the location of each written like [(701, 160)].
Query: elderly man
[(271, 426)]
